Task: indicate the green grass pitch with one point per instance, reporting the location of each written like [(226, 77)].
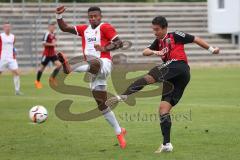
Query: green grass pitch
[(205, 122)]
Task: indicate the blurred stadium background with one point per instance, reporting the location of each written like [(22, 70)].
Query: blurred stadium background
[(132, 19)]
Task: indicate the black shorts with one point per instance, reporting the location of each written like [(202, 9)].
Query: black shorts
[(46, 59), (175, 76)]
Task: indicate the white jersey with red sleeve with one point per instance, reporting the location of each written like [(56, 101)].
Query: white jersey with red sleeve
[(7, 46), (103, 34)]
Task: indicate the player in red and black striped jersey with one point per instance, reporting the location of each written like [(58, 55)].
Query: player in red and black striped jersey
[(49, 54), (171, 46), (174, 73)]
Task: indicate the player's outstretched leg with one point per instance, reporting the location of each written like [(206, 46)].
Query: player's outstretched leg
[(101, 96), (63, 59), (133, 88)]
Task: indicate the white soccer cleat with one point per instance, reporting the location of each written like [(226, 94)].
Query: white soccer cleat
[(114, 100), (121, 98), (165, 148)]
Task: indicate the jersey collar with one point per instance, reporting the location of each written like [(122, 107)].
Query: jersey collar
[(164, 36)]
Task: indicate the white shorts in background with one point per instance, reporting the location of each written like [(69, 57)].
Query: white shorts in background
[(101, 77), (10, 64)]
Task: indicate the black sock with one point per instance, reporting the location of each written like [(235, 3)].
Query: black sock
[(165, 124), (39, 75), (136, 86), (55, 72)]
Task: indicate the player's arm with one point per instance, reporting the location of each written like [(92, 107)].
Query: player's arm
[(14, 48), (61, 23), (149, 52), (181, 37), (110, 34), (202, 43), (153, 49), (116, 43)]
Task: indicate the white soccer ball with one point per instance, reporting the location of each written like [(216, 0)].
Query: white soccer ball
[(38, 114)]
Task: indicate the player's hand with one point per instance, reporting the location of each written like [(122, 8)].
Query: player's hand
[(158, 53), (99, 48), (216, 50), (60, 9)]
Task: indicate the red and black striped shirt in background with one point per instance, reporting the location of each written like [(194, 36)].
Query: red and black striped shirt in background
[(49, 51)]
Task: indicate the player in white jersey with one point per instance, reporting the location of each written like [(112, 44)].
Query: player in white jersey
[(98, 39), (8, 55)]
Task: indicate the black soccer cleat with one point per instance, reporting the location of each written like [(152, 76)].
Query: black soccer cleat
[(63, 59)]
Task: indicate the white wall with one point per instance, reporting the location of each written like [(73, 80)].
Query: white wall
[(225, 20)]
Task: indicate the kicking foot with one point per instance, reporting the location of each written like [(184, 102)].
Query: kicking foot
[(38, 84), (121, 139), (165, 148), (114, 100), (63, 59)]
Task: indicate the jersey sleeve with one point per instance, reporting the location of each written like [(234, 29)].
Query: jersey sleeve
[(109, 31), (154, 46), (80, 29), (45, 37), (181, 37), (14, 39)]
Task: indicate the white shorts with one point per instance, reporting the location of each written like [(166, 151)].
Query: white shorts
[(10, 64), (101, 77)]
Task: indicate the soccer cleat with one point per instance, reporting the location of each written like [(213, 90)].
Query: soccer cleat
[(114, 100), (18, 93), (63, 59), (38, 84), (165, 148), (121, 140), (53, 81)]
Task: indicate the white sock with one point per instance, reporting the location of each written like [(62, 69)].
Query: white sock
[(16, 80), (110, 117), (82, 68)]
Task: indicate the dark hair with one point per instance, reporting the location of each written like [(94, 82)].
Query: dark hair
[(94, 8), (161, 21)]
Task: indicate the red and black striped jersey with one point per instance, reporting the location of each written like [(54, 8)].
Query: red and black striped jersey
[(172, 45), (49, 51)]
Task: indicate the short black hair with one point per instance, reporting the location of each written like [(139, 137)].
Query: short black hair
[(94, 8), (161, 21)]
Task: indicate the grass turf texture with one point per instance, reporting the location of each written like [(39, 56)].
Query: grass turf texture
[(205, 122)]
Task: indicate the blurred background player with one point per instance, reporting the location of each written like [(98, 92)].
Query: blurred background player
[(174, 73), (49, 54), (8, 55), (98, 39)]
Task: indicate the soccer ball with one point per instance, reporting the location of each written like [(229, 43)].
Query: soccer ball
[(38, 114)]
